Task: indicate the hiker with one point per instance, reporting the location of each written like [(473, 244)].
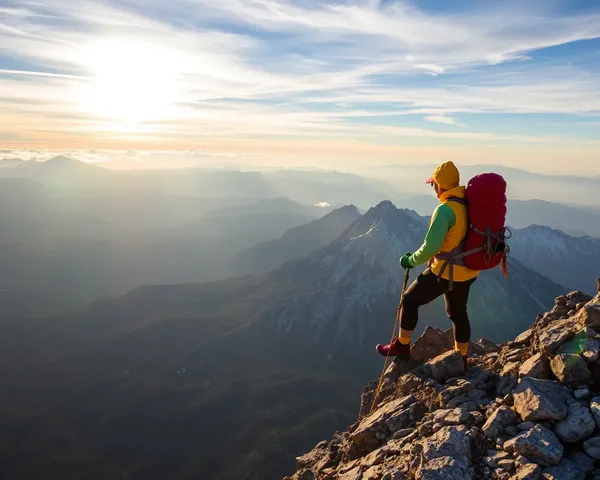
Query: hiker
[(447, 230)]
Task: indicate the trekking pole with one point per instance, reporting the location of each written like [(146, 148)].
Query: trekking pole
[(404, 287)]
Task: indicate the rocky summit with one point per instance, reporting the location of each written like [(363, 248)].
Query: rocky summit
[(528, 409)]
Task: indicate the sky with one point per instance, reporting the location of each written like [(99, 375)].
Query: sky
[(346, 84)]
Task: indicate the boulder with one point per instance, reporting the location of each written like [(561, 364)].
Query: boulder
[(566, 470), (591, 351), (578, 425), (557, 333), (537, 400), (525, 337), (445, 366), (537, 366), (539, 445), (570, 369), (592, 447), (430, 344), (582, 461), (589, 316), (498, 421)]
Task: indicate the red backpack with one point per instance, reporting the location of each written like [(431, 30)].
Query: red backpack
[(484, 247)]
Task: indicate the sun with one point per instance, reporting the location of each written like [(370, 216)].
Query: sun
[(131, 82)]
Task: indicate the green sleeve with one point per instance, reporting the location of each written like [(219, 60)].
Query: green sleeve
[(442, 221)]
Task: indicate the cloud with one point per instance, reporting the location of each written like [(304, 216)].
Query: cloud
[(444, 119), (154, 74), (431, 69)]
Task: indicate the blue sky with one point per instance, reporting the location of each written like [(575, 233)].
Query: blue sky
[(307, 82)]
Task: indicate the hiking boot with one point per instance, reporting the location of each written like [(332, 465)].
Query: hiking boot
[(394, 349)]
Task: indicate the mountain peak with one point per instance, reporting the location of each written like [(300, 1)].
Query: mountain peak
[(11, 162), (61, 161), (435, 420)]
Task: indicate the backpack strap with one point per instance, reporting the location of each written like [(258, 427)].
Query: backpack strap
[(462, 201)]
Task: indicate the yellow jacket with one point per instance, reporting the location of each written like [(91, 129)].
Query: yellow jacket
[(447, 229)]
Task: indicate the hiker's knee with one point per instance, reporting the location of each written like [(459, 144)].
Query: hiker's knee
[(457, 312), (411, 301)]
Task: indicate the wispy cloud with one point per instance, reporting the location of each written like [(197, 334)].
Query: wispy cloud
[(150, 72), (444, 119)]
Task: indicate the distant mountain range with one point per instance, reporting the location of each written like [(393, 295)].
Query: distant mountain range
[(574, 261), (522, 184), (143, 383), (574, 220), (295, 243)]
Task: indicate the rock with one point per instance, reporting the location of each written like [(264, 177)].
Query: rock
[(589, 316), (507, 464), (595, 408), (526, 426), (581, 461), (430, 344), (318, 458), (403, 433), (561, 300), (456, 416), (512, 431), (566, 470), (511, 367), (581, 393), (530, 471), (498, 421), (570, 369), (582, 344), (555, 334), (521, 460), (377, 427), (407, 383), (537, 399), (354, 474), (444, 468), (394, 475), (537, 366), (592, 447), (448, 442), (457, 389), (525, 337), (595, 475), (578, 425), (539, 445), (308, 475), (591, 351), (446, 365)]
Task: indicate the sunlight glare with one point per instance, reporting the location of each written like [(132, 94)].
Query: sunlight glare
[(132, 82)]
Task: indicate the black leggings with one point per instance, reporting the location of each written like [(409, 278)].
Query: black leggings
[(425, 289)]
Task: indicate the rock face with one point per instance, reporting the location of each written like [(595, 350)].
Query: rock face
[(529, 409)]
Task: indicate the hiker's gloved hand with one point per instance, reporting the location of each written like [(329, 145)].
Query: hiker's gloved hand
[(405, 262)]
